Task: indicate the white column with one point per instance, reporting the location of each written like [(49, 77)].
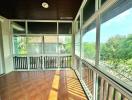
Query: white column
[(2, 64), (73, 45), (97, 6), (81, 32)]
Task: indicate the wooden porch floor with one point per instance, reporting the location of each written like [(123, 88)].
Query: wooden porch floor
[(41, 85)]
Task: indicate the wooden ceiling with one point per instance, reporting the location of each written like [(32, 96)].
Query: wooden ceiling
[(32, 9)]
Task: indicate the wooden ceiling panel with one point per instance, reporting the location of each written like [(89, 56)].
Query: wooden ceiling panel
[(32, 9)]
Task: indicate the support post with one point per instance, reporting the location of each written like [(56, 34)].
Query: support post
[(2, 50), (97, 6), (73, 45), (28, 60), (81, 32)]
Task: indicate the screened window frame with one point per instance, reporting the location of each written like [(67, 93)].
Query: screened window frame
[(99, 9)]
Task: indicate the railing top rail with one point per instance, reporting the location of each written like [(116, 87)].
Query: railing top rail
[(37, 55)]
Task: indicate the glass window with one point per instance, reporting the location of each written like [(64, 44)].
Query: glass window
[(89, 43), (65, 28), (34, 45), (51, 44), (116, 41), (42, 28), (77, 44), (88, 10), (78, 24), (18, 27), (65, 44), (20, 45)]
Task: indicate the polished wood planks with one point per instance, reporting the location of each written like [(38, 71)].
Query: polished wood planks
[(41, 85)]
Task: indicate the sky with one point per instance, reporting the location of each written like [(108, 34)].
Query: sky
[(119, 25)]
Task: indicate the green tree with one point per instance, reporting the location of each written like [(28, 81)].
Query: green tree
[(124, 51), (68, 45), (109, 50), (89, 50), (20, 45)]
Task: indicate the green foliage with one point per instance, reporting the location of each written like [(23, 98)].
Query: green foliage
[(129, 63), (117, 51), (89, 50), (109, 50), (125, 48), (68, 45), (20, 45)]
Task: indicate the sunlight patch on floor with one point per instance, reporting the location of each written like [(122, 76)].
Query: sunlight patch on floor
[(74, 88), (55, 86), (53, 95)]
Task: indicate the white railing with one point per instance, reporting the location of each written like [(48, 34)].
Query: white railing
[(41, 62), (107, 87)]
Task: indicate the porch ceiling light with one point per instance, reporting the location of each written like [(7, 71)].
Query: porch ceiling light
[(45, 5)]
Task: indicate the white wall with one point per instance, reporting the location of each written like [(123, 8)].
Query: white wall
[(6, 35)]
